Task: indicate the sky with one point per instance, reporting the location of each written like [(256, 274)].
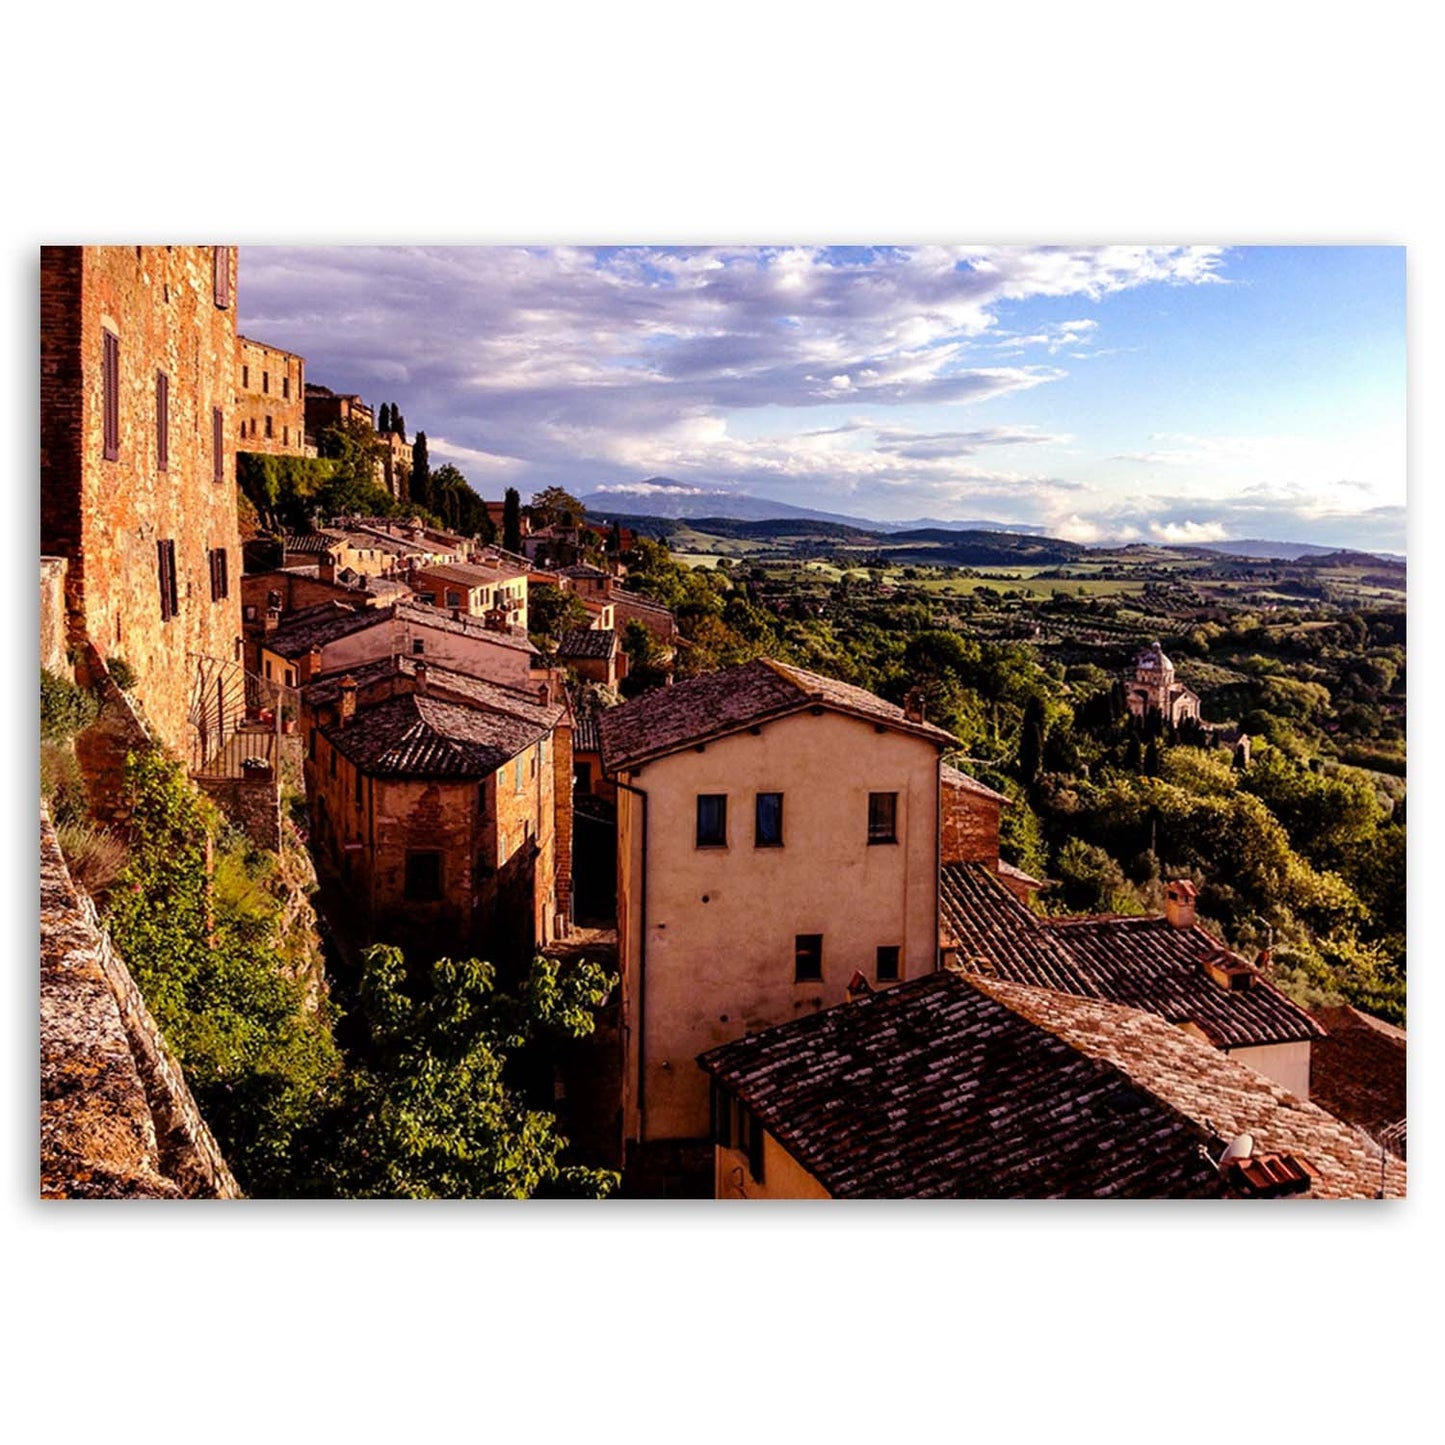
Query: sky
[(1110, 393)]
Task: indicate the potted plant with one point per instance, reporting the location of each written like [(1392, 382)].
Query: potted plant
[(256, 767)]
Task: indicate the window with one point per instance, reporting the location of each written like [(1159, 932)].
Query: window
[(285, 436), (286, 387), (768, 822), (245, 376), (222, 275), (110, 407), (220, 582), (454, 599), (808, 957), (418, 646), (887, 968), (712, 820), (218, 444), (722, 1117), (166, 575), (163, 420), (266, 383), (269, 431), (517, 774), (423, 877), (882, 817), (582, 777)]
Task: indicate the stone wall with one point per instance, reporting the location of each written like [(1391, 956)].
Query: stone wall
[(252, 804), (53, 629), (970, 826), (117, 1119), (270, 383), (103, 747), (109, 516)]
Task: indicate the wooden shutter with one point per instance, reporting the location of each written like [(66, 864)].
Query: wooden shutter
[(163, 420), (166, 575), (218, 444), (110, 407), (225, 579), (222, 264)]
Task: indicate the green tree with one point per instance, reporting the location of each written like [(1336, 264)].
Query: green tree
[(420, 472), (512, 521), (551, 611), (556, 507), (1031, 741), (383, 418), (432, 1109)]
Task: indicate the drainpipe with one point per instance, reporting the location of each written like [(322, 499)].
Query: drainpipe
[(641, 971)]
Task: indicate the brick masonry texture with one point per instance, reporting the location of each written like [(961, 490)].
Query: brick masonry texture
[(107, 517)]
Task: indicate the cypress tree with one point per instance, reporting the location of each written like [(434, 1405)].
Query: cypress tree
[(420, 472), (383, 418), (1031, 741), (512, 521), (398, 421)]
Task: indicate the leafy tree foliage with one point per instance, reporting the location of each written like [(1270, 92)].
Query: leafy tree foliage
[(432, 1109), (551, 611), (556, 507)]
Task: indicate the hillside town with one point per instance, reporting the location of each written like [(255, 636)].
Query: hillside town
[(442, 727)]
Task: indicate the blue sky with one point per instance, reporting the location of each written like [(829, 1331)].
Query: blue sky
[(1170, 393)]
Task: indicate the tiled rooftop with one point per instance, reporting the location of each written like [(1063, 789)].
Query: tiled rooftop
[(718, 703), (316, 626), (1357, 1070), (470, 574), (428, 737), (952, 777), (309, 542), (598, 643), (1145, 963), (956, 1087), (418, 614)]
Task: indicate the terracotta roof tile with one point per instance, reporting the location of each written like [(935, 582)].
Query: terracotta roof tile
[(426, 737), (1357, 1070), (954, 1087), (1145, 963), (717, 703), (587, 642)]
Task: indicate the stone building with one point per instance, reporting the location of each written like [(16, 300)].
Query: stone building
[(137, 460), (778, 832), (325, 408), (1152, 688), (441, 806), (270, 400), (475, 589), (396, 463)]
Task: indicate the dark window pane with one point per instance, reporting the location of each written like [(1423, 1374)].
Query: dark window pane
[(218, 444), (163, 421), (887, 962), (882, 817), (423, 877), (769, 829), (722, 1118), (808, 957), (712, 820)]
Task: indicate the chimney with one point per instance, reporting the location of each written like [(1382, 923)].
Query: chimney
[(858, 987), (544, 695), (913, 705), (495, 619), (311, 664), (421, 682), (346, 708), (272, 619), (1179, 899)]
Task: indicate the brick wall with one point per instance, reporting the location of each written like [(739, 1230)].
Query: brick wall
[(970, 826), (106, 517)]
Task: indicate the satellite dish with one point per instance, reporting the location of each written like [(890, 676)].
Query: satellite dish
[(1241, 1147)]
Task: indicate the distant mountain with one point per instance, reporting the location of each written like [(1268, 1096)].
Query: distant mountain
[(664, 497), (1284, 551)]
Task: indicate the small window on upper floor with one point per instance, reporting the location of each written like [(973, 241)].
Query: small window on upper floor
[(423, 876), (768, 821), (269, 431), (712, 820), (110, 397), (808, 957), (286, 387), (888, 960), (266, 383), (245, 377), (882, 817), (163, 421), (418, 646)]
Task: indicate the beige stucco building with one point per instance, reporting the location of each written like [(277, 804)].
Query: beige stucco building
[(778, 832)]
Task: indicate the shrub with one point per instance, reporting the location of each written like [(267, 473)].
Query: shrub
[(95, 856), (61, 783), (65, 709), (122, 674)]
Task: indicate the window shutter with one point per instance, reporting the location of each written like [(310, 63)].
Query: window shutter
[(166, 574), (222, 263), (163, 421), (110, 405), (225, 579), (218, 444)]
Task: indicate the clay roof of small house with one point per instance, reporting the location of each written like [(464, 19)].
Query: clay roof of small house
[(952, 777), (466, 574), (444, 682), (585, 736), (418, 614), (956, 1087), (428, 737), (718, 703), (316, 626), (583, 569), (584, 643), (1357, 1071), (635, 600), (1145, 963), (309, 543)]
